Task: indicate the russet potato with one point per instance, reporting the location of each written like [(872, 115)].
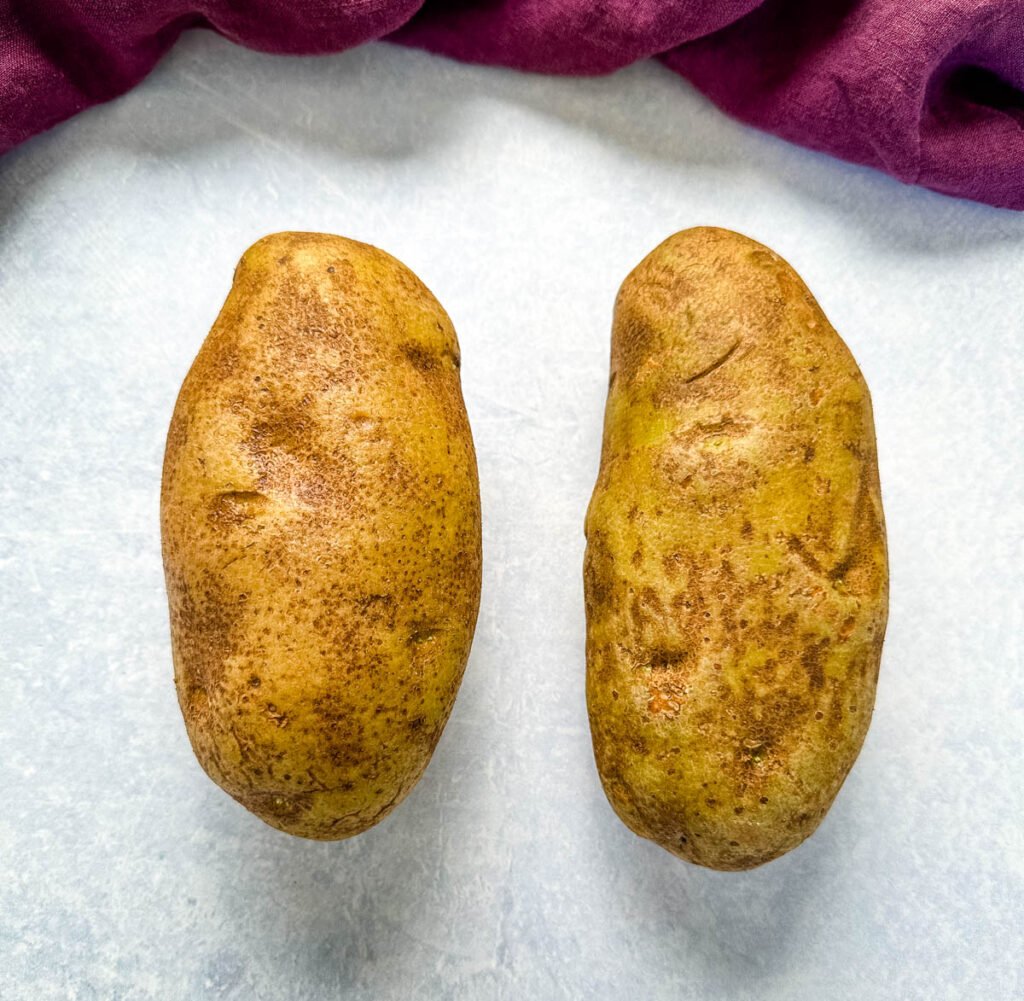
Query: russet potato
[(735, 576), (321, 535)]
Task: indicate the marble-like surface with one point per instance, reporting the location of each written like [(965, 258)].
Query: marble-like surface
[(522, 201)]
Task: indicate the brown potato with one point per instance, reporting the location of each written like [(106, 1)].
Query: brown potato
[(736, 577), (321, 535)]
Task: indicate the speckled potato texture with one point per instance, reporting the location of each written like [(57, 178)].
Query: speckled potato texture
[(736, 578), (321, 535)]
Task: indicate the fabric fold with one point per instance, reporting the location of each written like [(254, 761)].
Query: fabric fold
[(575, 37), (931, 93)]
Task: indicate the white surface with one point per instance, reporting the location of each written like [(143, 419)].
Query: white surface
[(522, 202)]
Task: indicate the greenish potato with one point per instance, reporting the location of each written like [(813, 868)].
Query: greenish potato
[(735, 576), (320, 516)]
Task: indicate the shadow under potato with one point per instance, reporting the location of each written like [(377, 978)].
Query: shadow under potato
[(333, 911), (739, 930)]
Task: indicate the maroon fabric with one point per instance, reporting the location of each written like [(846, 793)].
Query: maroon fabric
[(930, 91)]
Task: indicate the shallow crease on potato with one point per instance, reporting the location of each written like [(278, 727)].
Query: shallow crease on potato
[(320, 517), (735, 576)]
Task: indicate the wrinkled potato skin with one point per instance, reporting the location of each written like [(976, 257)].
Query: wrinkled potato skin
[(321, 535), (736, 576)]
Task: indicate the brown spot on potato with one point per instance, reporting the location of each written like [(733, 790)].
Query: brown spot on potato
[(424, 632), (236, 506), (281, 807), (812, 659), (664, 659), (420, 357)]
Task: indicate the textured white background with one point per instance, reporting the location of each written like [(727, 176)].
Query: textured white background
[(522, 202)]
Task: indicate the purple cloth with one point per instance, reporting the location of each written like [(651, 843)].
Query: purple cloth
[(931, 92)]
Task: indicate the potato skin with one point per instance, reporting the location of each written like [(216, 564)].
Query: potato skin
[(320, 516), (736, 573)]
